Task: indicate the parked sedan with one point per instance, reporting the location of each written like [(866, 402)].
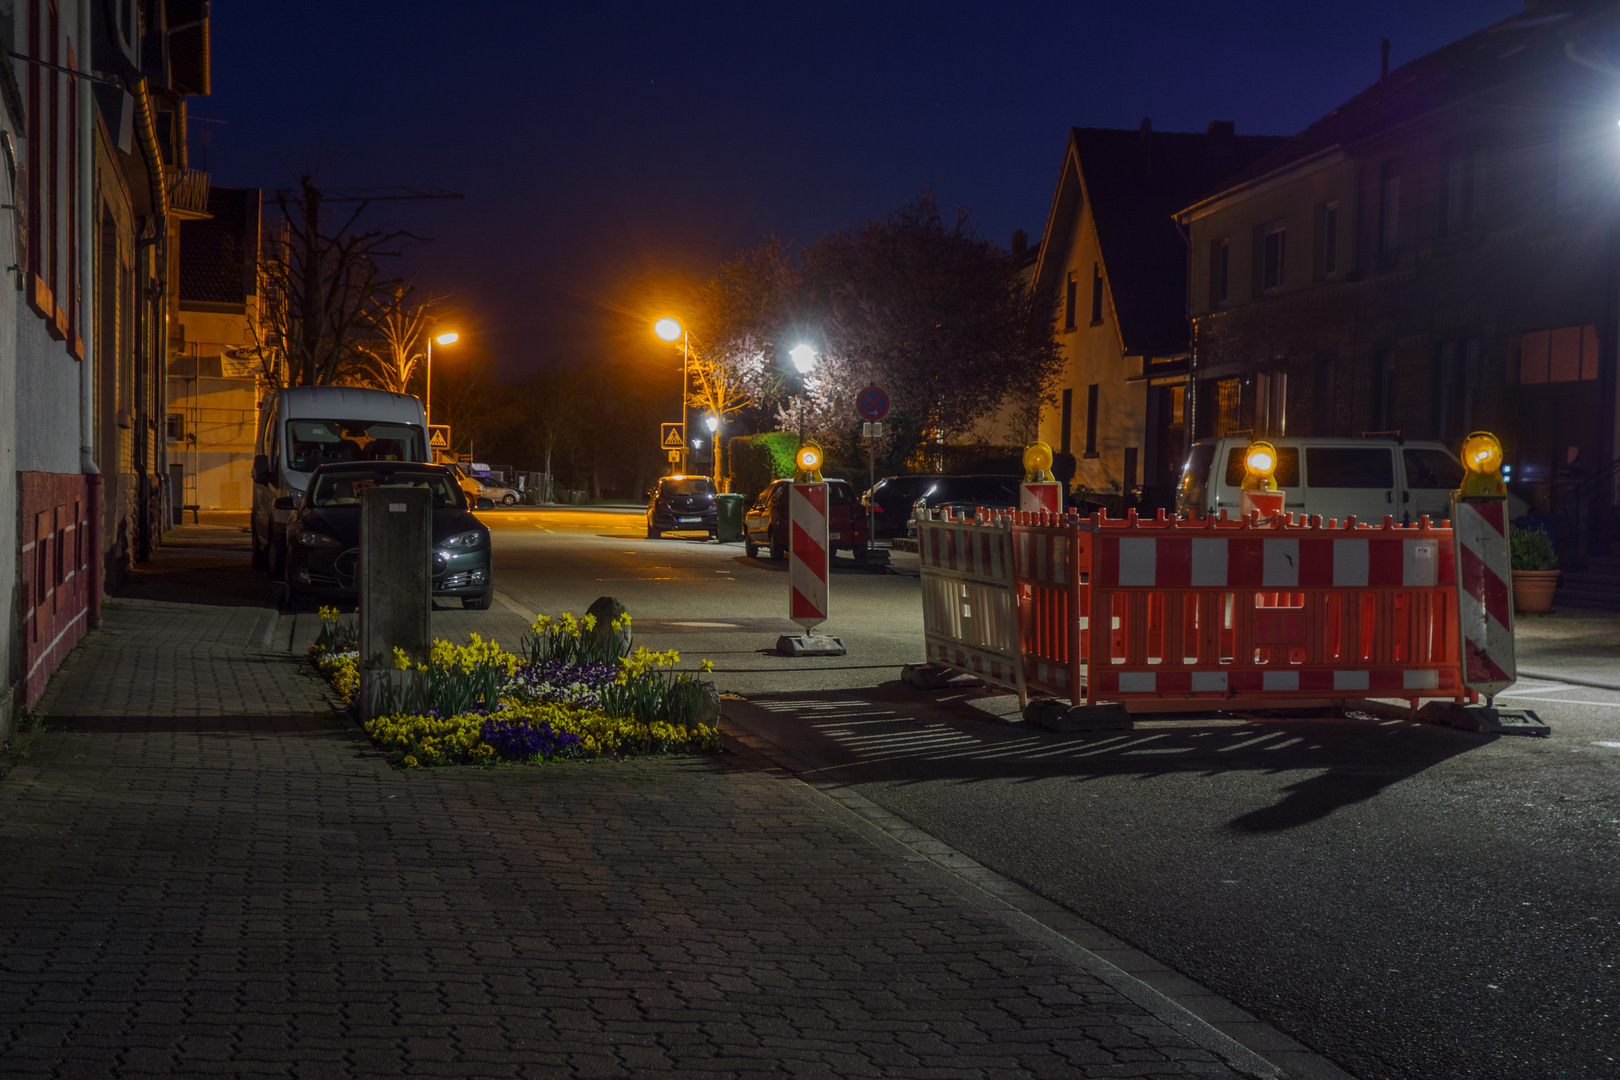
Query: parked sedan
[(682, 503), (323, 533), (965, 494), (891, 500), (765, 525)]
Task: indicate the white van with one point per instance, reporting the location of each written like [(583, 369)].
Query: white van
[(303, 427), (1331, 477)]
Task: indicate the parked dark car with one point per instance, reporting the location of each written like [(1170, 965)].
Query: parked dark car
[(323, 533), (682, 504), (765, 525), (964, 494), (891, 500)]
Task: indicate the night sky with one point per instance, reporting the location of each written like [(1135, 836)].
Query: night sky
[(611, 154)]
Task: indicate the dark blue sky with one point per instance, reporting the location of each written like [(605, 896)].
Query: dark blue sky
[(610, 152)]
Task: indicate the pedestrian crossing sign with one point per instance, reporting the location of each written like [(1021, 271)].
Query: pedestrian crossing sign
[(670, 437), (439, 436)]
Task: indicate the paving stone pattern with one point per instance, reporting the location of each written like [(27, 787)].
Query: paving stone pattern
[(246, 890)]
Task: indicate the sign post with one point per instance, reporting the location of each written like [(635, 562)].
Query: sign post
[(873, 406), (672, 439), (809, 559), (439, 442)]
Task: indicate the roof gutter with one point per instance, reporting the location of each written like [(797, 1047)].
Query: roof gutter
[(146, 135), (1198, 209)]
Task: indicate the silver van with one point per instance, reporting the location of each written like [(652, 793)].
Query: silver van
[(1331, 477), (303, 427)]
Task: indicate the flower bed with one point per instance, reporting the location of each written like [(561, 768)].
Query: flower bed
[(573, 693)]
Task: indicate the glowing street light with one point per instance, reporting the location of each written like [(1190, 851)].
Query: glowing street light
[(803, 357), (671, 330), (712, 423), (449, 337)]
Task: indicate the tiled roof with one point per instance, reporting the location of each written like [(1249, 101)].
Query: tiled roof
[(1136, 181), (1523, 47)]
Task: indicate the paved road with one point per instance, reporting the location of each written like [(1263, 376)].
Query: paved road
[(1414, 902)]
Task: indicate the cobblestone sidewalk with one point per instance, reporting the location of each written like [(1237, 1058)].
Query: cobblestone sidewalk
[(203, 870)]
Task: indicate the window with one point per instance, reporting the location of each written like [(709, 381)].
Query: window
[(1389, 207), (1066, 420), (1456, 191), (1274, 251), (1129, 470), (1271, 402), (1069, 300), (311, 443), (1327, 259), (1195, 479), (1091, 420), (1569, 354), (1286, 474), (1096, 293), (1324, 373), (1382, 413), (1220, 265), (1432, 469), (1349, 467), (1228, 403), (1456, 372)]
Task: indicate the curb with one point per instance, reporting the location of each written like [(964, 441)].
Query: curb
[(1241, 1041), (1595, 684)]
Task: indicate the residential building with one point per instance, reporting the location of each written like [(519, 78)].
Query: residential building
[(1436, 255), (93, 134), (1114, 264)]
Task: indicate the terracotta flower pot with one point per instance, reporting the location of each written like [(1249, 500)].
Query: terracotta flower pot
[(1533, 590)]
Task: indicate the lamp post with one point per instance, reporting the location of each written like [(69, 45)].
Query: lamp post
[(449, 337), (713, 424), (669, 329), (804, 358)]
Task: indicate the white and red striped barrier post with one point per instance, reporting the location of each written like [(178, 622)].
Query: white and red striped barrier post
[(1484, 594), (1035, 496), (808, 562)]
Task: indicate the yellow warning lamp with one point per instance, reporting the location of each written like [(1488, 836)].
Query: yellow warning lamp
[(1482, 462), (1260, 467), (1037, 462), (808, 462)]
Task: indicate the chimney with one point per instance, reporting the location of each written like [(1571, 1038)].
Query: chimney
[(1020, 242), (1225, 130), (1383, 64), (1147, 127)]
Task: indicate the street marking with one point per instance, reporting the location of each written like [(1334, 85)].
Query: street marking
[(512, 605), (1567, 701), (717, 625), (1610, 745), (1551, 688)]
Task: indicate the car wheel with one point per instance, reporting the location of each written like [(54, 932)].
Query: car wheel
[(509, 500), (860, 552), (778, 551), (260, 561), (276, 559), (750, 549), (714, 534), (654, 534), (480, 602)]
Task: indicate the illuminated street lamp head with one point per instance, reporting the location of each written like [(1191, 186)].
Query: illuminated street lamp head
[(804, 358), (712, 423), (449, 337), (1259, 463), (668, 329)]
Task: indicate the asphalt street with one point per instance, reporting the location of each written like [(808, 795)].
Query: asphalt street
[(1411, 901)]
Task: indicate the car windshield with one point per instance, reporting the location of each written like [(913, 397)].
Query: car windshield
[(984, 490), (840, 494), (312, 443), (687, 485), (343, 488)]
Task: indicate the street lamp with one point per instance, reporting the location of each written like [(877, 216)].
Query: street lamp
[(670, 330), (449, 337), (804, 358)]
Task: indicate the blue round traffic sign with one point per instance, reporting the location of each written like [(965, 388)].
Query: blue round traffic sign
[(873, 403)]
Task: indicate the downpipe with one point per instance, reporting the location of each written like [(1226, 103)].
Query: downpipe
[(88, 249)]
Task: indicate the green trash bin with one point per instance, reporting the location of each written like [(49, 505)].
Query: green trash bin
[(573, 497), (729, 512)]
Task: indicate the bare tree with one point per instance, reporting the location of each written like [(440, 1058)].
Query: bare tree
[(551, 401), (391, 347), (318, 286)]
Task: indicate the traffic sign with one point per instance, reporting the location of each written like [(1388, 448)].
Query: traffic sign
[(439, 436), (872, 403), (671, 438)]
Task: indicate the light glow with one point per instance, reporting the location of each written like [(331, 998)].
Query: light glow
[(1482, 453), (712, 423), (803, 357), (1261, 459), (808, 458), (668, 329), (449, 337)]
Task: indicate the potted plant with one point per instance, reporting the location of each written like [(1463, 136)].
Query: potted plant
[(1535, 571)]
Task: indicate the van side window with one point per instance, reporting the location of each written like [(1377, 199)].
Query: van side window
[(1195, 479), (1349, 467), (1432, 469), (1287, 473)]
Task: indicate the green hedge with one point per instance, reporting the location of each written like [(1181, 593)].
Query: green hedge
[(755, 460)]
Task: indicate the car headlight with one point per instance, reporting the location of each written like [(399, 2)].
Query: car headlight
[(295, 495), (464, 541), (315, 539)]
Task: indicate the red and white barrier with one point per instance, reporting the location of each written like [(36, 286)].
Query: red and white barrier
[(970, 613), (1037, 495), (1484, 595), (808, 555)]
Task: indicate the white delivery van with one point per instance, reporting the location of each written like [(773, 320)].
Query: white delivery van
[(303, 427), (1331, 477)]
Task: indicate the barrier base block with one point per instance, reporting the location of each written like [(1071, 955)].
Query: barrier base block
[(809, 645), (936, 677), (1484, 719), (1055, 715)]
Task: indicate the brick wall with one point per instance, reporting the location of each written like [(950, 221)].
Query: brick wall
[(54, 534)]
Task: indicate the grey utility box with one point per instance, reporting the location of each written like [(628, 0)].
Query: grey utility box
[(396, 590)]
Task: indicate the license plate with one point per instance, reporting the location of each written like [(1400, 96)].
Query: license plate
[(836, 535), (688, 521)]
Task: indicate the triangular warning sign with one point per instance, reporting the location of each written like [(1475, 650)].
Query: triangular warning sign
[(439, 436), (670, 437)]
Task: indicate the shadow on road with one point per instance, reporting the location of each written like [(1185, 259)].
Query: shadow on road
[(893, 734)]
